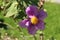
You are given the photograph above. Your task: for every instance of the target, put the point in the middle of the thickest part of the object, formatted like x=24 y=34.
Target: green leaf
x=10 y=22
x=12 y=10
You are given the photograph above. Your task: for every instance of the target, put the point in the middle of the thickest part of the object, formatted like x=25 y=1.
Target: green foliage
x=12 y=10
x=12 y=13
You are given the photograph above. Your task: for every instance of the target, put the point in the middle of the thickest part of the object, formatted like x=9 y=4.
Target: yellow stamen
x=34 y=20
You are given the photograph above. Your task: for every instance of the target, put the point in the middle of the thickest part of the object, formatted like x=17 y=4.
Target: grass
x=52 y=29
x=53 y=20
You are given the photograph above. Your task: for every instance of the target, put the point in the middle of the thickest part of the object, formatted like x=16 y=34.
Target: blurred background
x=13 y=11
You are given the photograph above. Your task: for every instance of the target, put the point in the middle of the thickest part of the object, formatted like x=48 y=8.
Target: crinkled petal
x=42 y=14
x=32 y=29
x=24 y=23
x=40 y=25
x=31 y=10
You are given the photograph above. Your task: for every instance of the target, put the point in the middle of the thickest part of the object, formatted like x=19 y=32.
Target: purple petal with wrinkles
x=32 y=29
x=41 y=25
x=42 y=14
x=31 y=10
x=24 y=23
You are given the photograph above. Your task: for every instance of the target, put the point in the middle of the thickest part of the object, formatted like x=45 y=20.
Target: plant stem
x=41 y=36
x=35 y=37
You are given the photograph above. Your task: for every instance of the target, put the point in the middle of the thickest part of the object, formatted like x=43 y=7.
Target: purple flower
x=35 y=20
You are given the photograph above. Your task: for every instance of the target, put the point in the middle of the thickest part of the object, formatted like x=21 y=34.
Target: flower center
x=34 y=20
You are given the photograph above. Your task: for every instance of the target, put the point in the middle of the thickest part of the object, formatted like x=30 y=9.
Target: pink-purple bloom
x=35 y=20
